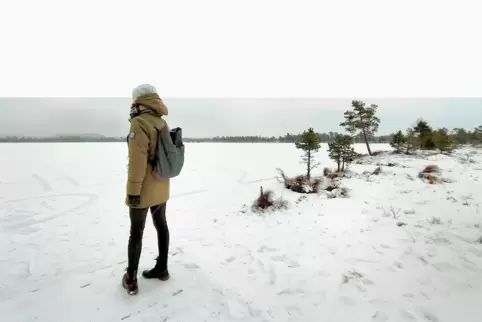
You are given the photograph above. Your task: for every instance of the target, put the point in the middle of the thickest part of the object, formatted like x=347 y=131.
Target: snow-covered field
x=398 y=249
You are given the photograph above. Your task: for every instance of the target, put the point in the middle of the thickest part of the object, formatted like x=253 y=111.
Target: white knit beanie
x=143 y=89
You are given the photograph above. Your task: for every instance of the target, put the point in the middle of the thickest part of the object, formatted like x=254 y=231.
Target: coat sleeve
x=138 y=153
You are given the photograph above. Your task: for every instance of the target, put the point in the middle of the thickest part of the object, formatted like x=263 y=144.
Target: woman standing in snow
x=144 y=191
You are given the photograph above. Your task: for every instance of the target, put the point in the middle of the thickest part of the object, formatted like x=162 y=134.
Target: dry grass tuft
x=435 y=221
x=331 y=188
x=431 y=169
x=334 y=175
x=266 y=201
x=429 y=174
x=328 y=173
x=300 y=183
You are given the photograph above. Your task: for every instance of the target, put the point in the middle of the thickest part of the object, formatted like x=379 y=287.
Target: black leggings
x=138 y=222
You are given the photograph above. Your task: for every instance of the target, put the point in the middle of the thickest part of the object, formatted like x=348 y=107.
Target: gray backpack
x=169 y=158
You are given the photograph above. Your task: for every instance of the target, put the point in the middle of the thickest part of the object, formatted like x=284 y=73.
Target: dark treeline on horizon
x=460 y=135
x=288 y=138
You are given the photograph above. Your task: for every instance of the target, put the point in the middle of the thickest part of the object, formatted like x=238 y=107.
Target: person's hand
x=133 y=201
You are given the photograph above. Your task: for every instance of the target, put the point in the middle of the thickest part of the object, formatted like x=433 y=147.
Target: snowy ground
x=64 y=231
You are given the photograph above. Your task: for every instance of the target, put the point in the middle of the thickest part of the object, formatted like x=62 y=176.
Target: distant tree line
x=288 y=138
x=73 y=138
x=360 y=122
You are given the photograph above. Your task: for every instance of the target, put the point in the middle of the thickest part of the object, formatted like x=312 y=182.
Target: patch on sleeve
x=132 y=135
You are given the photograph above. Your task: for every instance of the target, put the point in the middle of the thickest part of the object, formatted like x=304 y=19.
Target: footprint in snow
x=366 y=281
x=398 y=264
x=348 y=300
x=294 y=310
x=230 y=259
x=265 y=248
x=283 y=258
x=431 y=317
x=272 y=276
x=291 y=291
x=191 y=266
x=176 y=251
x=379 y=317
x=407 y=315
x=260 y=265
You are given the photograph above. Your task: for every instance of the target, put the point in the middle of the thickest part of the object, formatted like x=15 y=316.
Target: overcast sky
x=249 y=48
x=212 y=117
x=223 y=50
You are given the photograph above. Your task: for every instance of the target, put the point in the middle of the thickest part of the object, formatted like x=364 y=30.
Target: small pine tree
x=363 y=120
x=309 y=142
x=398 y=141
x=341 y=151
x=443 y=141
x=424 y=132
x=412 y=141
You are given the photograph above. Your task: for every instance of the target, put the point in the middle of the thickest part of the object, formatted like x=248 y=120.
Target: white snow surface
x=64 y=230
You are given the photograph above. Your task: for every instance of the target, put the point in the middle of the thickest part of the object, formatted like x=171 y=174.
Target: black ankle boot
x=159 y=271
x=129 y=282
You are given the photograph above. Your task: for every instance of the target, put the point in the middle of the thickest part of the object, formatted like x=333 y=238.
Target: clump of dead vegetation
x=336 y=191
x=391 y=211
x=350 y=275
x=300 y=183
x=267 y=202
x=433 y=168
x=367 y=175
x=330 y=174
x=435 y=221
x=430 y=174
x=329 y=185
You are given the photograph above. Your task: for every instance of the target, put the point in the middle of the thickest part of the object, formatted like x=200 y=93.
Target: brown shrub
x=300 y=179
x=334 y=175
x=431 y=169
x=265 y=202
x=265 y=199
x=296 y=187
x=326 y=172
x=432 y=179
x=300 y=183
x=331 y=188
x=316 y=185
